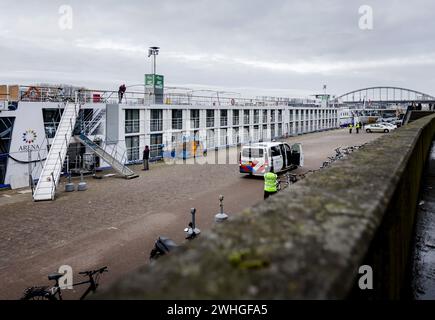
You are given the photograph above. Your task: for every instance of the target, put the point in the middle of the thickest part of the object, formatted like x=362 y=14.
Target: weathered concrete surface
x=422 y=277
x=309 y=241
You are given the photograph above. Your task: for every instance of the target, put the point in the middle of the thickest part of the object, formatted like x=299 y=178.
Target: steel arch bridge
x=385 y=95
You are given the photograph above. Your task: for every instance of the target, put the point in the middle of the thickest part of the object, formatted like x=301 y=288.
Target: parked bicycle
x=325 y=164
x=307 y=173
x=340 y=153
x=283 y=182
x=55 y=292
x=287 y=179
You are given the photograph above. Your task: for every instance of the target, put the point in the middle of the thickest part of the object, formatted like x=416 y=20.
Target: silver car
x=378 y=127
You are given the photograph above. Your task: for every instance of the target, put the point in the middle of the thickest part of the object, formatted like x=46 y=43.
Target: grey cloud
x=250 y=46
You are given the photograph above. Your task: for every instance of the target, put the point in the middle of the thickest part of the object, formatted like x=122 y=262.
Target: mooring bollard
x=221 y=216
x=82 y=185
x=70 y=187
x=192 y=231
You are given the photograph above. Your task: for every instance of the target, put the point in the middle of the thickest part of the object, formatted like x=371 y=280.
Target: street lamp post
x=153 y=51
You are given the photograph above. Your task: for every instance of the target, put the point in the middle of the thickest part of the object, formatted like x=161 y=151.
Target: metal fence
x=83 y=95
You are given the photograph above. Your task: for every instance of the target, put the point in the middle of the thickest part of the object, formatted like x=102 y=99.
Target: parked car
x=378 y=127
x=398 y=122
x=387 y=120
x=390 y=125
x=259 y=158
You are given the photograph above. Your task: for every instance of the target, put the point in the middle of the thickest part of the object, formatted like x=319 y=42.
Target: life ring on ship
x=33 y=93
x=233 y=102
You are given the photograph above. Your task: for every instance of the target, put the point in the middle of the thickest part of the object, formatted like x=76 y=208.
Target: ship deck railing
x=87 y=96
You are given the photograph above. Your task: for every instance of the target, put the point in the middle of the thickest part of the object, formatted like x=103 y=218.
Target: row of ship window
x=176 y=123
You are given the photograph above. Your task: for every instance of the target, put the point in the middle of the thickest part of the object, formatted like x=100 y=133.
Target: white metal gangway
x=112 y=158
x=50 y=174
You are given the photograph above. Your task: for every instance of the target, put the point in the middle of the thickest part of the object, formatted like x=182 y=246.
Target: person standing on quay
x=146 y=157
x=350 y=128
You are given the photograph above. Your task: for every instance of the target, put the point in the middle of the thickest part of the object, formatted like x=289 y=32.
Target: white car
x=390 y=125
x=378 y=127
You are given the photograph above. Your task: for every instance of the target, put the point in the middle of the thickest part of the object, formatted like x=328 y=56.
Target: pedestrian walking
x=357 y=127
x=270 y=184
x=121 y=92
x=350 y=128
x=146 y=157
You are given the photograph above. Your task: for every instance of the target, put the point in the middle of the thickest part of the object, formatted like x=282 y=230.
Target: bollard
x=192 y=231
x=82 y=185
x=221 y=216
x=193 y=212
x=194 y=228
x=70 y=187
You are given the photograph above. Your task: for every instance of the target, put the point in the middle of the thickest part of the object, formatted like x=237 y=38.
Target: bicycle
x=289 y=179
x=281 y=184
x=325 y=164
x=55 y=292
x=305 y=174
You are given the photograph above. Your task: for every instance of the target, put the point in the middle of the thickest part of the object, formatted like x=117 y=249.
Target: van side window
x=252 y=153
x=275 y=151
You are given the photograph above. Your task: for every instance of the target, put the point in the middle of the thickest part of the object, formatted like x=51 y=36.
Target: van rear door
x=253 y=160
x=297 y=155
x=288 y=153
x=277 y=159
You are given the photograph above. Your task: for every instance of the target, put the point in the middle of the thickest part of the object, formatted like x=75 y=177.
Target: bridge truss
x=384 y=96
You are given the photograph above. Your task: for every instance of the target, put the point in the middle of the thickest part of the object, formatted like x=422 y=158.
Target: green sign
x=149 y=80
x=157 y=81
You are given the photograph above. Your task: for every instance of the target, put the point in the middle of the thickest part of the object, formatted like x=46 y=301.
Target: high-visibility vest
x=351 y=126
x=270 y=182
x=357 y=126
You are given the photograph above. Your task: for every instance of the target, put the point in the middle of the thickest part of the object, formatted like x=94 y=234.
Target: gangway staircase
x=90 y=124
x=111 y=159
x=50 y=174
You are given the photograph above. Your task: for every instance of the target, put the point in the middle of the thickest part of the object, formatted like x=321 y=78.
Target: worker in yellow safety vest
x=270 y=184
x=350 y=128
x=357 y=127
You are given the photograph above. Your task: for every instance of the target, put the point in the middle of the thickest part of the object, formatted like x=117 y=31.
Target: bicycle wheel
x=37 y=293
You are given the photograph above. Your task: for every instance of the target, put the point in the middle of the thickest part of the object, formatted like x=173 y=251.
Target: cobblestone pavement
x=116 y=221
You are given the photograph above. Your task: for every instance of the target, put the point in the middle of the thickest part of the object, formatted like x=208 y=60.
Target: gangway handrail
x=61 y=146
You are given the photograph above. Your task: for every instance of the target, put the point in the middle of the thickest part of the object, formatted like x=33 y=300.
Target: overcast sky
x=280 y=48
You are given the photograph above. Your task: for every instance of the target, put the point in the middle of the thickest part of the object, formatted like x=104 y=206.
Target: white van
x=262 y=157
